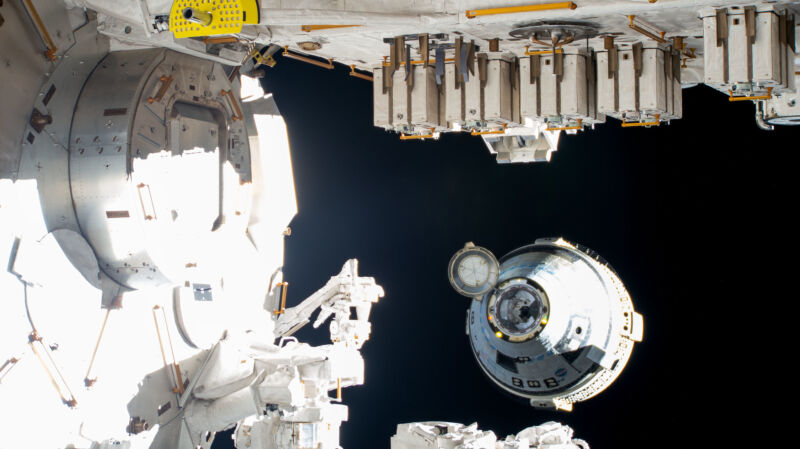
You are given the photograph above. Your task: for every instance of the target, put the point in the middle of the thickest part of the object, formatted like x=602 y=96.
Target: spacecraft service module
x=550 y=322
x=146 y=189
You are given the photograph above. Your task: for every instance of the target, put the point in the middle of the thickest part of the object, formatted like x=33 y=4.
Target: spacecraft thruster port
x=555 y=325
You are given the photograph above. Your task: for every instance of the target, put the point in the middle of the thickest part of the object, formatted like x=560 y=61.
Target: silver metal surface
x=46 y=158
x=22 y=69
x=558 y=327
x=99 y=164
x=554 y=32
x=80 y=255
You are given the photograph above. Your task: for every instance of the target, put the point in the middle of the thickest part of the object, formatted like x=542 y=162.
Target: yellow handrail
x=50 y=46
x=359 y=75
x=165 y=82
x=285 y=287
x=472 y=13
x=418 y=62
x=88 y=380
x=174 y=368
x=306 y=59
x=416 y=136
x=54 y=374
x=751 y=97
x=6 y=367
x=237 y=112
x=310 y=28
x=647 y=33
x=219 y=40
x=635 y=124
x=540 y=52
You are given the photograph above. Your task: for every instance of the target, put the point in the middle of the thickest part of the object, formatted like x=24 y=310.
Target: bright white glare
x=185 y=194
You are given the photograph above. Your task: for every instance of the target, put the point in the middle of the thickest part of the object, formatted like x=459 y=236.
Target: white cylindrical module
x=159 y=167
x=557 y=327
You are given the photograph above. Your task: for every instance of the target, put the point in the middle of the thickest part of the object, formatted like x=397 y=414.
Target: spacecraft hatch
x=550 y=322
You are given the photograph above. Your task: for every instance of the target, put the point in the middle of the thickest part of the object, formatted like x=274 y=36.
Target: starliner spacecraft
x=550 y=322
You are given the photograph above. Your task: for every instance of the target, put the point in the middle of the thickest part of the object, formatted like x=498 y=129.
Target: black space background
x=694 y=216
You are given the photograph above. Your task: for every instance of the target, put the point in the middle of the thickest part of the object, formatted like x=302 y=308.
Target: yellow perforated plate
x=227 y=17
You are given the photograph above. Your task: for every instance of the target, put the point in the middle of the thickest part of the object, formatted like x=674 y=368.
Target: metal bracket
x=359 y=75
x=750 y=23
x=38 y=120
x=409 y=68
x=722 y=27
x=411 y=37
x=424 y=49
x=536 y=67
x=483 y=62
x=439 y=65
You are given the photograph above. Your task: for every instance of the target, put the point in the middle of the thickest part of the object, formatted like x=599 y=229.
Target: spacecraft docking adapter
x=550 y=322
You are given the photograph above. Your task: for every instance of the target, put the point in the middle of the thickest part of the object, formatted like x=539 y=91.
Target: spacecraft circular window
x=473 y=271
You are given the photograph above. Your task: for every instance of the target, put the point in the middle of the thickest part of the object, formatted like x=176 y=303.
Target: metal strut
x=173 y=368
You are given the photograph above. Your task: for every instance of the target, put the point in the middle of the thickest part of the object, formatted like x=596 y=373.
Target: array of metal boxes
x=749 y=51
x=418 y=102
x=748 y=54
x=569 y=88
x=640 y=83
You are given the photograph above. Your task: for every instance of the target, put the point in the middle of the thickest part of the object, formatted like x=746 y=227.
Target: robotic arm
x=278 y=396
x=342 y=293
